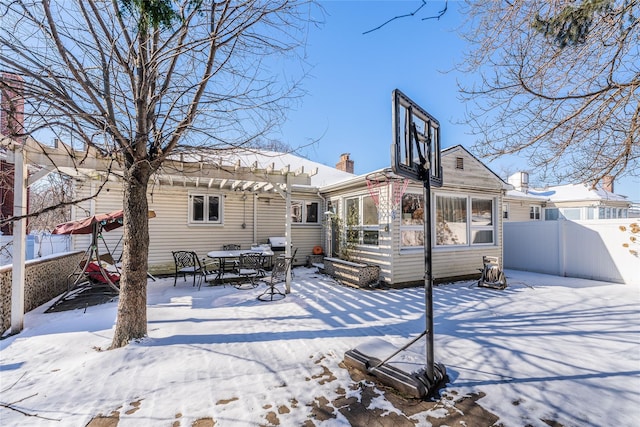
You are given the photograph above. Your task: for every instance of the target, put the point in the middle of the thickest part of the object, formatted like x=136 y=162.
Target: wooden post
x=19 y=240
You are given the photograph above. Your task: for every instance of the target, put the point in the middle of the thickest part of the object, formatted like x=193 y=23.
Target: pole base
x=401 y=373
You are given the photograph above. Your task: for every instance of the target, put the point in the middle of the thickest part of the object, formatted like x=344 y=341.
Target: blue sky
x=348 y=102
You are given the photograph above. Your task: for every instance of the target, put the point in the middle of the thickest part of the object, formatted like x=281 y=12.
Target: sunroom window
x=451 y=220
x=412 y=222
x=361 y=220
x=481 y=221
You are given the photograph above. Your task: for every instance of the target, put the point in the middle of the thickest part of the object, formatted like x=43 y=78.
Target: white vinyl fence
x=38 y=246
x=585 y=249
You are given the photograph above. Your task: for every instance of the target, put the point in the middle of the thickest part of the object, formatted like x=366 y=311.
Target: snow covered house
x=571 y=202
x=466 y=221
x=203 y=202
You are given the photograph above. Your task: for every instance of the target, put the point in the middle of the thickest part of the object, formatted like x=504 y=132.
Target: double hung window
x=304 y=212
x=205 y=209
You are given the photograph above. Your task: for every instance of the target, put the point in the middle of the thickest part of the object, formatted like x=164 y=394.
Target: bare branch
x=570 y=108
x=437 y=16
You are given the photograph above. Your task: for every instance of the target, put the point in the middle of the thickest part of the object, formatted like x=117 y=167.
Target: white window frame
x=303 y=206
x=535 y=210
x=490 y=227
x=410 y=225
x=360 y=228
x=505 y=210
x=470 y=227
x=205 y=212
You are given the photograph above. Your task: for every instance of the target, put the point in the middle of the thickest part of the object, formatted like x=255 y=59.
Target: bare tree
x=50 y=197
x=556 y=81
x=139 y=80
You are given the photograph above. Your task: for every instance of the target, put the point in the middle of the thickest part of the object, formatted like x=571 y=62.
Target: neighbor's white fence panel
x=585 y=249
x=37 y=246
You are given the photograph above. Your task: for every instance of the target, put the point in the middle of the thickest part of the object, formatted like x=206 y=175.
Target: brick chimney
x=607 y=183
x=345 y=164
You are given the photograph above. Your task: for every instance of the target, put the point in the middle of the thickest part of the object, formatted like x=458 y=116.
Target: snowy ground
x=546 y=348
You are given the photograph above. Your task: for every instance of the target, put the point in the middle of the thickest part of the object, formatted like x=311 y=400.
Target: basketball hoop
x=396 y=187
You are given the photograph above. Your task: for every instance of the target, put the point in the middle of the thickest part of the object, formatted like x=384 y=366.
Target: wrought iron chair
x=231 y=247
x=278 y=274
x=250 y=267
x=187 y=262
x=293 y=258
x=229 y=265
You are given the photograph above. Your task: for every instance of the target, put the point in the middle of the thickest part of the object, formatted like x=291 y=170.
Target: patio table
x=225 y=256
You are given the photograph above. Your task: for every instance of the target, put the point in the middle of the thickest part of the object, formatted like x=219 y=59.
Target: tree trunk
x=131 y=322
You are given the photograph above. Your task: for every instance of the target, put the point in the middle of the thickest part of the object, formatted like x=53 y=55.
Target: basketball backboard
x=415 y=152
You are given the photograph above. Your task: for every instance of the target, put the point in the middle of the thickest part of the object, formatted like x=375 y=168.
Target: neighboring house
x=466 y=221
x=571 y=202
x=519 y=204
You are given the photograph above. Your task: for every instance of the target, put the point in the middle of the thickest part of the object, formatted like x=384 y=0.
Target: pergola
x=220 y=169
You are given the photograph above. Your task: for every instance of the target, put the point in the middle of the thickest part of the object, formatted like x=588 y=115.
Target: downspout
x=255 y=218
x=324 y=222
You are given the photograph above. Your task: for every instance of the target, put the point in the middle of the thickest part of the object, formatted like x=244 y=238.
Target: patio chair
x=278 y=275
x=293 y=258
x=250 y=267
x=492 y=276
x=231 y=247
x=187 y=262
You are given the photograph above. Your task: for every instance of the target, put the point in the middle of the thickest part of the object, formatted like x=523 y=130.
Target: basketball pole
x=428 y=280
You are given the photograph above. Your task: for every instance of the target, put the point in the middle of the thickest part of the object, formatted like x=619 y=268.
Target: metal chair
x=293 y=258
x=231 y=247
x=278 y=274
x=251 y=266
x=187 y=262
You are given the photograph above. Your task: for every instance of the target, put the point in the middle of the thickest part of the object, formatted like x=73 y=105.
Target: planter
x=352 y=273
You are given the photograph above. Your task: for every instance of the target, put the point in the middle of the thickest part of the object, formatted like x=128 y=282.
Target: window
x=459 y=162
x=591 y=213
x=464 y=220
x=451 y=220
x=412 y=222
x=205 y=209
x=572 y=214
x=481 y=221
x=551 y=214
x=304 y=212
x=361 y=221
x=534 y=212
x=505 y=210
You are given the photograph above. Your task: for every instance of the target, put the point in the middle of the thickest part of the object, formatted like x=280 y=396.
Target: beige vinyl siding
x=455 y=261
x=170 y=229
x=474 y=176
x=271 y=222
x=475 y=180
x=305 y=237
x=519 y=210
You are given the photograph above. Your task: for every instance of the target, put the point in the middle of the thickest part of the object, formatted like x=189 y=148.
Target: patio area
x=545 y=351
